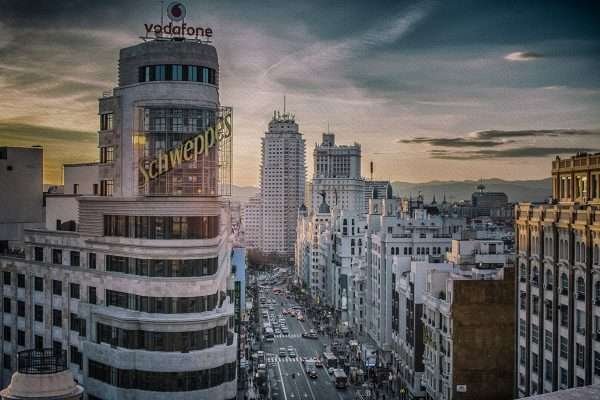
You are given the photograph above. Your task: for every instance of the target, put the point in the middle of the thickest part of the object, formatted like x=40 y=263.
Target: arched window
x=535 y=278
x=595 y=254
x=418 y=251
x=580 y=288
x=564 y=283
x=548 y=279
x=597 y=292
x=582 y=252
x=577 y=249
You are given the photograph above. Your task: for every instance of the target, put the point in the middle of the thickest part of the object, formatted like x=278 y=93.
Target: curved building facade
x=141 y=294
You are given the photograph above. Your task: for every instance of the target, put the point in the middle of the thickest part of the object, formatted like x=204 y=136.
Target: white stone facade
x=140 y=296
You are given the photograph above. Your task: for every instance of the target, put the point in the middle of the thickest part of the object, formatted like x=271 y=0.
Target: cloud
x=501 y=134
x=518 y=152
x=454 y=142
x=323 y=55
x=523 y=56
x=493 y=138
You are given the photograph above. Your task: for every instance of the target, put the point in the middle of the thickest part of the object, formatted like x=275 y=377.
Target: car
x=300 y=317
x=285 y=332
x=330 y=370
x=284 y=311
x=292 y=353
x=282 y=352
x=309 y=335
x=313 y=374
x=318 y=363
x=277 y=332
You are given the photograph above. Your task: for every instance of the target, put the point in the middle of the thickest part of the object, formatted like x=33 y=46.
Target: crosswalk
x=291 y=336
x=277 y=359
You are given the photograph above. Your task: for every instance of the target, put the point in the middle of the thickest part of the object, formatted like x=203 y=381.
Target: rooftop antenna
x=371 y=169
x=162 y=11
x=328 y=127
x=284 y=104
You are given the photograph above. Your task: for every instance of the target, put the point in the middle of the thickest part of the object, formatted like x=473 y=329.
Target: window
x=39 y=342
x=106 y=187
x=7 y=333
x=74 y=290
x=535 y=277
x=56 y=256
x=57 y=318
x=535 y=367
x=6 y=277
x=564 y=347
x=597 y=293
x=92 y=295
x=106 y=121
x=107 y=154
x=535 y=333
x=564 y=284
x=563 y=377
x=21 y=280
x=580 y=355
x=535 y=305
x=548 y=310
x=21 y=308
x=7 y=361
x=7 y=305
x=38 y=284
x=548 y=340
x=76 y=356
x=38 y=313
x=20 y=338
x=522 y=354
x=75 y=259
x=74 y=322
x=162 y=227
x=580 y=289
x=164 y=305
x=38 y=253
x=596 y=363
x=522 y=328
x=75 y=188
x=564 y=315
x=548 y=370
x=57 y=346
x=95 y=189
x=56 y=287
x=92 y=260
x=162 y=268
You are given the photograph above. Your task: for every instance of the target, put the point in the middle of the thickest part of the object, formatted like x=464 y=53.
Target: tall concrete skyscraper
x=337 y=174
x=139 y=291
x=282 y=181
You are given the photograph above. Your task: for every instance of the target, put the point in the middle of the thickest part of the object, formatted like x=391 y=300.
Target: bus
x=330 y=360
x=341 y=379
x=269 y=336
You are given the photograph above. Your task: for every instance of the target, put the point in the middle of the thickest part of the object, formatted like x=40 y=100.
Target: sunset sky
x=433 y=90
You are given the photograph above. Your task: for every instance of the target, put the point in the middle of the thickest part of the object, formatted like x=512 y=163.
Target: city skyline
x=444 y=91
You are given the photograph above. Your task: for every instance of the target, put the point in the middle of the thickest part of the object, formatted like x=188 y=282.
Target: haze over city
x=431 y=89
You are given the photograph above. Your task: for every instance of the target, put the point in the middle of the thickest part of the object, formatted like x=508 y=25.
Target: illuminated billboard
x=183 y=151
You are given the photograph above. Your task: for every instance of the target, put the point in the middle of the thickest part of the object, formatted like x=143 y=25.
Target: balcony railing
x=45 y=361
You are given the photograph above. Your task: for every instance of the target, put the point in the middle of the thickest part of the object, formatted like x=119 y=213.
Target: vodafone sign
x=176 y=12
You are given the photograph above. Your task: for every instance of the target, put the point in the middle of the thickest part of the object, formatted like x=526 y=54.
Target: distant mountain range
x=529 y=190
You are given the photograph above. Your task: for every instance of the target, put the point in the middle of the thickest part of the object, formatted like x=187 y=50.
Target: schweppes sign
x=189 y=150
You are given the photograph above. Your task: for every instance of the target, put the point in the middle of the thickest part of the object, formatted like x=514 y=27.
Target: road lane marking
x=282 y=382
x=307 y=381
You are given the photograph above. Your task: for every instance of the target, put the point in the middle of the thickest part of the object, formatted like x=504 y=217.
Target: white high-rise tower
x=282 y=180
